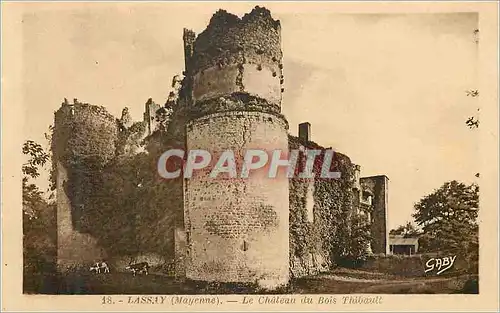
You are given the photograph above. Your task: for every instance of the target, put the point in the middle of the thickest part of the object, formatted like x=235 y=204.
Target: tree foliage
x=448 y=217
x=352 y=242
x=472 y=121
x=37 y=157
x=32 y=195
x=406 y=230
x=39 y=220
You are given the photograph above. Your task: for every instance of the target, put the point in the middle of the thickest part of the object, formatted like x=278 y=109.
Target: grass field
x=340 y=281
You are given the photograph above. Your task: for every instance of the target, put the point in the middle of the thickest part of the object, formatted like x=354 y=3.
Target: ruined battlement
x=82 y=132
x=70 y=109
x=236 y=55
x=253 y=39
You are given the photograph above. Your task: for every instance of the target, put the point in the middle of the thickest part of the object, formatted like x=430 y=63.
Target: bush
x=39 y=276
x=471 y=286
x=351 y=262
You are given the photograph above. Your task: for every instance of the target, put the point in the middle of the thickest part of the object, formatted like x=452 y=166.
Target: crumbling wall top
x=77 y=106
x=223 y=19
x=255 y=38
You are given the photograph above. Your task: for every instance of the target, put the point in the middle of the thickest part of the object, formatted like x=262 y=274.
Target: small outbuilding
x=403 y=245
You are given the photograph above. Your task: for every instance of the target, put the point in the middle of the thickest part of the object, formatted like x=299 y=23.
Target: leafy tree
x=473 y=121
x=39 y=220
x=406 y=230
x=352 y=242
x=359 y=239
x=32 y=195
x=37 y=157
x=448 y=218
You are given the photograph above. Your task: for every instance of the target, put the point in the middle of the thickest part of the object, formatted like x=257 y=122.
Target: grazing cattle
x=139 y=268
x=95 y=268
x=99 y=266
x=105 y=267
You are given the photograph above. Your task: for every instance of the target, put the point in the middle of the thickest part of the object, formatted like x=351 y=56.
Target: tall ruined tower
x=378 y=186
x=237 y=230
x=83 y=141
x=149 y=116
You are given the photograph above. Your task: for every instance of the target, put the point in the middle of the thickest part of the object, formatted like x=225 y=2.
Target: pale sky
x=387 y=90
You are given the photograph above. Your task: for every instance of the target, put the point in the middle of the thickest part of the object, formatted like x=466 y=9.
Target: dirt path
x=388 y=281
x=399 y=285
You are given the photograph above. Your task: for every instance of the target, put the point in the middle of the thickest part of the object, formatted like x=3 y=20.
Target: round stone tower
x=83 y=142
x=237 y=229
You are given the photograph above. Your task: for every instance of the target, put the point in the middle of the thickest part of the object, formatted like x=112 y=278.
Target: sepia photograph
x=200 y=149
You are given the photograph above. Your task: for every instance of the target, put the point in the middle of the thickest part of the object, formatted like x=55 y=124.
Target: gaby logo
x=295 y=163
x=440 y=264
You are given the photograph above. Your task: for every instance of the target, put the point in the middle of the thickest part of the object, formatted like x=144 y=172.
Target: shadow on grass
x=81 y=283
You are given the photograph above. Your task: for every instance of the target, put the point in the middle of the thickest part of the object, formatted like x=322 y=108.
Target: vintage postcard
x=244 y=156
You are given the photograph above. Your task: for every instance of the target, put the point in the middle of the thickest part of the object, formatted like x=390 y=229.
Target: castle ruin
x=253 y=230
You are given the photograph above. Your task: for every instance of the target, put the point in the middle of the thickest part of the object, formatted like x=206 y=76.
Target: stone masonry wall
x=378 y=185
x=237 y=229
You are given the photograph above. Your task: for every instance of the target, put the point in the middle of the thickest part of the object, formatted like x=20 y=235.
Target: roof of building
x=399 y=240
x=374 y=176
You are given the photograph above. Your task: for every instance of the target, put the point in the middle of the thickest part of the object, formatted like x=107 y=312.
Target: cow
x=139 y=268
x=98 y=266
x=95 y=268
x=105 y=267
